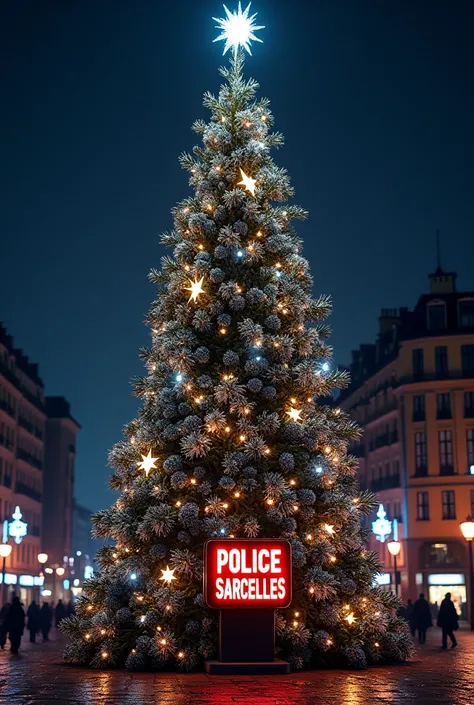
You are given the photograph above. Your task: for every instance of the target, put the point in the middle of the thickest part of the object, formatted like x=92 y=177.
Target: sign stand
x=246 y=580
x=247 y=644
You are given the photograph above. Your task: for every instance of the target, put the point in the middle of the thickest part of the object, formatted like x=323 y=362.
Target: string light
x=330 y=529
x=104 y=654
x=332 y=559
x=350 y=619
x=236 y=495
x=178 y=503
x=292 y=483
x=376 y=644
x=270 y=502
x=309 y=537
x=87 y=636
x=163 y=642
x=242 y=438
x=180 y=654
x=193 y=481
x=102 y=631
x=223 y=331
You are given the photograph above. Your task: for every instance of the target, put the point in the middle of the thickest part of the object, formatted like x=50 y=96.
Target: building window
x=436 y=316
x=449 y=506
x=422 y=506
x=443 y=406
x=445 y=452
x=470 y=450
x=418 y=362
x=466 y=313
x=419 y=407
x=467 y=360
x=420 y=454
x=469 y=405
x=441 y=360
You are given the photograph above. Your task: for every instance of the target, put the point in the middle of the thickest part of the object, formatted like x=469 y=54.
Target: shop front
x=443 y=570
x=26 y=587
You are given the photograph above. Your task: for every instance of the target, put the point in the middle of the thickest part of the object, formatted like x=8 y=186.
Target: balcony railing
x=421 y=471
x=21 y=488
x=446 y=470
x=31 y=428
x=5 y=406
x=385 y=483
x=28 y=458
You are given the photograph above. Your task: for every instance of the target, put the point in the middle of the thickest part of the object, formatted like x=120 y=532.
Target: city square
x=237 y=457
x=434 y=677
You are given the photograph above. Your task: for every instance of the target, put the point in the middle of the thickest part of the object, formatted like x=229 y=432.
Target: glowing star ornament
x=350 y=619
x=237 y=29
x=148 y=463
x=168 y=575
x=294 y=414
x=247 y=182
x=195 y=289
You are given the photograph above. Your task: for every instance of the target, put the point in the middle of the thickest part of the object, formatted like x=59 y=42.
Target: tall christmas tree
x=232 y=439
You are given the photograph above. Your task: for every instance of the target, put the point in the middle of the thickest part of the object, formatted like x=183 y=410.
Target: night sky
x=375 y=98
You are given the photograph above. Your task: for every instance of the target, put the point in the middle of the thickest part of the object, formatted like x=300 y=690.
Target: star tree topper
x=237 y=29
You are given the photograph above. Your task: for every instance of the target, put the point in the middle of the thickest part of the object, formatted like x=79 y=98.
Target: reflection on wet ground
x=38 y=677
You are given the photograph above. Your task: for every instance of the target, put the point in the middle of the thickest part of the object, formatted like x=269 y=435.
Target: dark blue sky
x=375 y=98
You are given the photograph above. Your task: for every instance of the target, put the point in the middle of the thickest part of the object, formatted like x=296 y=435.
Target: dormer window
x=437 y=315
x=466 y=313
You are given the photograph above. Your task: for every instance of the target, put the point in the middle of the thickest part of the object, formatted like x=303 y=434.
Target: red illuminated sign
x=247 y=573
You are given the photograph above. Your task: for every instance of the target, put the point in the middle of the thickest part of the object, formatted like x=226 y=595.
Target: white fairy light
x=237 y=29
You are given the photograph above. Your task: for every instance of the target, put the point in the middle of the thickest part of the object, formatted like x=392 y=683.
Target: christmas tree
x=233 y=438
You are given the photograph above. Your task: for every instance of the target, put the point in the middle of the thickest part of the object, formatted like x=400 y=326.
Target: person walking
x=45 y=620
x=33 y=614
x=3 y=624
x=448 y=621
x=70 y=609
x=410 y=617
x=422 y=617
x=15 y=623
x=59 y=613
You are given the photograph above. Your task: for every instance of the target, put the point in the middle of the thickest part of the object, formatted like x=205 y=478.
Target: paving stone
x=434 y=677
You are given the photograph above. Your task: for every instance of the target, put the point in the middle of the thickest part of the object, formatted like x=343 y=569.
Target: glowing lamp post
x=394 y=548
x=42 y=558
x=5 y=550
x=467 y=529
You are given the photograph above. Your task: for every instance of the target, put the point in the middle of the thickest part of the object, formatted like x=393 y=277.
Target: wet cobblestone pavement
x=435 y=677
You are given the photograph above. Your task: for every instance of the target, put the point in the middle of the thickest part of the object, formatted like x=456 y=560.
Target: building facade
x=58 y=503
x=37 y=451
x=412 y=392
x=22 y=451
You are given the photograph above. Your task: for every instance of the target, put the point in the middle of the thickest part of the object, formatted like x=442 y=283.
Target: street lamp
x=60 y=571
x=42 y=558
x=467 y=529
x=394 y=548
x=5 y=550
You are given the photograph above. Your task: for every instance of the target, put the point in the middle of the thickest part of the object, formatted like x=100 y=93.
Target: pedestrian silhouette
x=15 y=623
x=448 y=621
x=45 y=620
x=411 y=617
x=59 y=613
x=33 y=624
x=422 y=617
x=70 y=609
x=3 y=624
